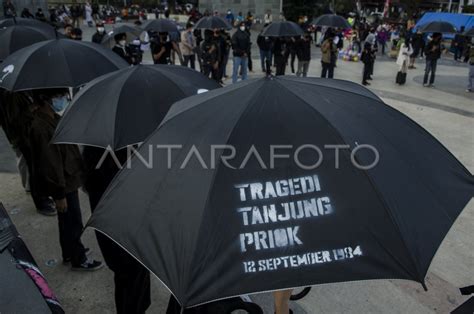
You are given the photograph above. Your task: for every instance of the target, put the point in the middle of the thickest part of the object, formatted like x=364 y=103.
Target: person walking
x=265 y=44
x=187 y=46
x=470 y=87
x=329 y=55
x=432 y=53
x=303 y=52
x=240 y=48
x=58 y=172
x=406 y=50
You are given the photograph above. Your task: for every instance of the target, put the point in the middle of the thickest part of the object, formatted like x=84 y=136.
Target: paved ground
x=446 y=111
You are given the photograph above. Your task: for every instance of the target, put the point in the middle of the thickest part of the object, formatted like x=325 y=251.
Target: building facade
x=257 y=7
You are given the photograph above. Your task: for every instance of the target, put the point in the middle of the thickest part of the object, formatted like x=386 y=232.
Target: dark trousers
x=132 y=279
x=327 y=70
x=292 y=60
x=208 y=69
x=366 y=73
x=458 y=52
x=70 y=229
x=265 y=58
x=280 y=64
x=191 y=60
x=250 y=64
x=430 y=68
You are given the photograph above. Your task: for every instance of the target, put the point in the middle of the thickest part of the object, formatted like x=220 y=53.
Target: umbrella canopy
x=16 y=37
x=246 y=194
x=131 y=32
x=124 y=107
x=282 y=29
x=24 y=288
x=438 y=27
x=160 y=25
x=331 y=20
x=469 y=32
x=57 y=63
x=212 y=22
x=25 y=22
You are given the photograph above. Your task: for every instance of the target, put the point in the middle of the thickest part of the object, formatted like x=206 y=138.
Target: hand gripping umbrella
x=57 y=63
x=160 y=25
x=16 y=37
x=282 y=29
x=212 y=22
x=331 y=20
x=248 y=194
x=124 y=107
x=438 y=27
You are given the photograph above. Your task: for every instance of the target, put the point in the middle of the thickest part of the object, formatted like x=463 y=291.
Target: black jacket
x=433 y=50
x=303 y=50
x=240 y=43
x=57 y=168
x=264 y=43
x=97 y=37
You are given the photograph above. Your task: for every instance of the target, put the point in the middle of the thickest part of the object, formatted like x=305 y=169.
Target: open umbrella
x=438 y=27
x=469 y=32
x=131 y=32
x=25 y=22
x=331 y=20
x=124 y=107
x=24 y=288
x=212 y=22
x=282 y=29
x=16 y=37
x=247 y=193
x=160 y=25
x=57 y=63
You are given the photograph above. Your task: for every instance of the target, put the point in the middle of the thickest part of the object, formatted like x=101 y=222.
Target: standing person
x=382 y=37
x=161 y=51
x=188 y=46
x=292 y=50
x=268 y=18
x=26 y=14
x=240 y=48
x=99 y=34
x=459 y=43
x=220 y=43
x=228 y=45
x=88 y=12
x=198 y=35
x=249 y=20
x=121 y=48
x=417 y=43
x=249 y=52
x=329 y=55
x=432 y=53
x=303 y=52
x=75 y=15
x=470 y=87
x=230 y=17
x=366 y=58
x=58 y=172
x=131 y=279
x=8 y=9
x=406 y=50
x=281 y=53
x=265 y=44
x=39 y=15
x=209 y=55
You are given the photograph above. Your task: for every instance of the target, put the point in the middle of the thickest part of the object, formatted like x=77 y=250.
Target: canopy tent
x=457 y=20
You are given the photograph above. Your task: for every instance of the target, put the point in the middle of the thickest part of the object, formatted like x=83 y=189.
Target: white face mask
x=100 y=29
x=122 y=42
x=242 y=28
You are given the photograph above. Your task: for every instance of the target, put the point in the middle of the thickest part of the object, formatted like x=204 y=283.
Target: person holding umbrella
x=58 y=173
x=240 y=47
x=161 y=51
x=121 y=48
x=432 y=53
x=329 y=55
x=281 y=54
x=210 y=56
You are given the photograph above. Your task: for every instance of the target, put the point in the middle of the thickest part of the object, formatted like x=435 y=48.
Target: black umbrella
x=131 y=32
x=470 y=32
x=282 y=29
x=24 y=289
x=438 y=27
x=57 y=63
x=25 y=22
x=124 y=107
x=331 y=20
x=212 y=22
x=160 y=25
x=16 y=37
x=235 y=201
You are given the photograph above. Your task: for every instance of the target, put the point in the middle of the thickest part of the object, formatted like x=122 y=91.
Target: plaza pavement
x=446 y=111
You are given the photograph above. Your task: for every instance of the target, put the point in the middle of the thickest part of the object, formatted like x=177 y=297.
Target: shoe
x=431 y=85
x=425 y=85
x=469 y=90
x=47 y=211
x=67 y=260
x=370 y=78
x=365 y=83
x=88 y=266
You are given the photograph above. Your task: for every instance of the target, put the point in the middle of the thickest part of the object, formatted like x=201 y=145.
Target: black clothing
x=123 y=52
x=26 y=14
x=240 y=43
x=132 y=280
x=97 y=37
x=433 y=50
x=165 y=58
x=281 y=53
x=303 y=50
x=264 y=43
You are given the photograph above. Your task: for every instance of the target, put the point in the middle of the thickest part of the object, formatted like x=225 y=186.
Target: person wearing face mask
x=230 y=17
x=241 y=48
x=188 y=46
x=58 y=173
x=121 y=48
x=161 y=51
x=99 y=34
